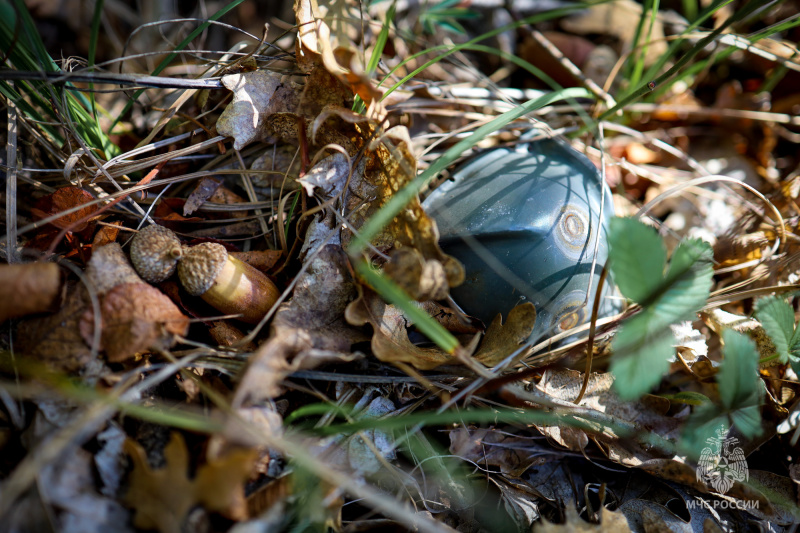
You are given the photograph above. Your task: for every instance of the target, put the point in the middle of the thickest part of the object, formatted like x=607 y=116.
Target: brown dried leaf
x=106 y=234
x=161 y=498
x=390 y=341
x=28 y=289
x=204 y=189
x=62 y=200
x=263 y=260
x=650 y=412
x=510 y=454
x=391 y=167
x=136 y=317
x=109 y=267
x=55 y=340
x=501 y=340
x=308 y=330
x=243 y=119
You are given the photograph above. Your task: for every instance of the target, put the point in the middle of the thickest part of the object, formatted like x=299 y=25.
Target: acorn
x=227 y=284
x=155 y=252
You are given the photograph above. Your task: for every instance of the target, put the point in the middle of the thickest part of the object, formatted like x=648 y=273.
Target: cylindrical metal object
x=524 y=221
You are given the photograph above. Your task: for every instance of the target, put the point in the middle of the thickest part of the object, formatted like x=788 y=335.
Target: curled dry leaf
x=162 y=498
x=501 y=340
x=28 y=289
x=243 y=119
x=420 y=278
x=308 y=330
x=136 y=317
x=390 y=342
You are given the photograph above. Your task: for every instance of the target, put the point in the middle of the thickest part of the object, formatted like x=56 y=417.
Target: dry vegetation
x=282 y=354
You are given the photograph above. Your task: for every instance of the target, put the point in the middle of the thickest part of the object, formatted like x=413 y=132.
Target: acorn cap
x=200 y=266
x=155 y=251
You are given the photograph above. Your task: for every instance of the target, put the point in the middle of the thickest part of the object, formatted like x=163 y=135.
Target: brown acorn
x=155 y=252
x=227 y=284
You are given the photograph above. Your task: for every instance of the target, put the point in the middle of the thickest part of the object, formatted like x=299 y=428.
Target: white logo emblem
x=719 y=465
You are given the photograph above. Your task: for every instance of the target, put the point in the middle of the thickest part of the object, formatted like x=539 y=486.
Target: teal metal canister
x=524 y=222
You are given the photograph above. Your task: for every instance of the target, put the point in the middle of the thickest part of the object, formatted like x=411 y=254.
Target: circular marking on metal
x=569 y=311
x=572 y=231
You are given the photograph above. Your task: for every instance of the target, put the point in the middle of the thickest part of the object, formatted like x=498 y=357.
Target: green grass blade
x=450 y=49
x=95 y=31
x=377 y=52
x=644 y=90
x=396 y=296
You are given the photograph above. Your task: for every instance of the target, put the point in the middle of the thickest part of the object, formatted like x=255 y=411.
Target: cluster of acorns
x=206 y=270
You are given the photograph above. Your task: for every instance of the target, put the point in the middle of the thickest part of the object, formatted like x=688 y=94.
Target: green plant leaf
x=738 y=376
x=777 y=317
x=748 y=421
x=641 y=349
x=701 y=426
x=687 y=283
x=638 y=258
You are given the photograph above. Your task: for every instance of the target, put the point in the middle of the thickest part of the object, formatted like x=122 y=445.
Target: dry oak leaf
x=162 y=498
x=390 y=342
x=243 y=119
x=28 y=289
x=135 y=317
x=501 y=340
x=390 y=167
